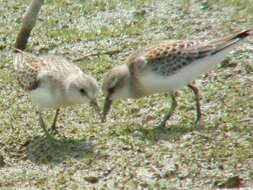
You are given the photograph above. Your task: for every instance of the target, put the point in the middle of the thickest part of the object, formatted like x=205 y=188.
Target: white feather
x=43 y=97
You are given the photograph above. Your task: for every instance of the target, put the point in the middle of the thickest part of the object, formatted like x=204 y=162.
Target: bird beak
x=94 y=104
x=107 y=106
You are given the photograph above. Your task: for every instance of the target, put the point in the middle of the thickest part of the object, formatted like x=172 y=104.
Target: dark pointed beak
x=107 y=107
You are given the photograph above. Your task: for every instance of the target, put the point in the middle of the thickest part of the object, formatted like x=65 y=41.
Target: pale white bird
x=54 y=82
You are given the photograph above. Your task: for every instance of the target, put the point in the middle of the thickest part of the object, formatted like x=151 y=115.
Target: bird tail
x=231 y=40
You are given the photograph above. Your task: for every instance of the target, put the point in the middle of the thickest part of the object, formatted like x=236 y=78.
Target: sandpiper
x=54 y=82
x=167 y=67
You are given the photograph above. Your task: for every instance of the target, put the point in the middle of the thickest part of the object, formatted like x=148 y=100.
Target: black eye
x=82 y=91
x=110 y=90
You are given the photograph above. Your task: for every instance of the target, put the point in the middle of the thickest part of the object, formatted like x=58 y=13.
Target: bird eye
x=82 y=91
x=110 y=90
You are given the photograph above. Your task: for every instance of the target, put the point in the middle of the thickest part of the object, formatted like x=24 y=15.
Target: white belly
x=43 y=97
x=155 y=83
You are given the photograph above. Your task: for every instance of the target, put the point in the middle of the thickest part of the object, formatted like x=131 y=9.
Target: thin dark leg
x=53 y=127
x=43 y=125
x=170 y=112
x=196 y=93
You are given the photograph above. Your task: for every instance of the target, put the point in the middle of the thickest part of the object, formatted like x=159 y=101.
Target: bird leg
x=196 y=93
x=43 y=125
x=53 y=126
x=170 y=112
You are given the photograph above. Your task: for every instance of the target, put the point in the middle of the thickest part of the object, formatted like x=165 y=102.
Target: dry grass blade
x=107 y=52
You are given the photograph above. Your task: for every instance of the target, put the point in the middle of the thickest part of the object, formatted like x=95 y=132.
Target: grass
x=127 y=152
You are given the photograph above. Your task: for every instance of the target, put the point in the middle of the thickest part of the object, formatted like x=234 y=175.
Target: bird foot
x=54 y=131
x=161 y=126
x=198 y=123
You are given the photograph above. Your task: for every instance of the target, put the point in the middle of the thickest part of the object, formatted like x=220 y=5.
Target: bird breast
x=46 y=98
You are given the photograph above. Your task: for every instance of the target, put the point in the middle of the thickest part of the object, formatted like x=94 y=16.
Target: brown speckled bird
x=53 y=82
x=167 y=67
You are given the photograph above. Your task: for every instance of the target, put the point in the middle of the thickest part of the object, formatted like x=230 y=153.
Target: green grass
x=128 y=152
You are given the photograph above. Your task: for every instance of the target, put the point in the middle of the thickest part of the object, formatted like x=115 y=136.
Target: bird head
x=116 y=85
x=81 y=89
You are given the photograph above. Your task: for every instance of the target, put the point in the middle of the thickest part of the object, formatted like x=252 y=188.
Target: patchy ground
x=127 y=152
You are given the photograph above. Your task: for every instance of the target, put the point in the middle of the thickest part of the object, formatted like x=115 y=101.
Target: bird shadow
x=170 y=133
x=173 y=132
x=43 y=150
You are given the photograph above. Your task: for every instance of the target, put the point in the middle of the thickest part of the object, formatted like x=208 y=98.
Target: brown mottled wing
x=27 y=67
x=59 y=67
x=168 y=57
x=32 y=70
x=164 y=58
x=56 y=71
